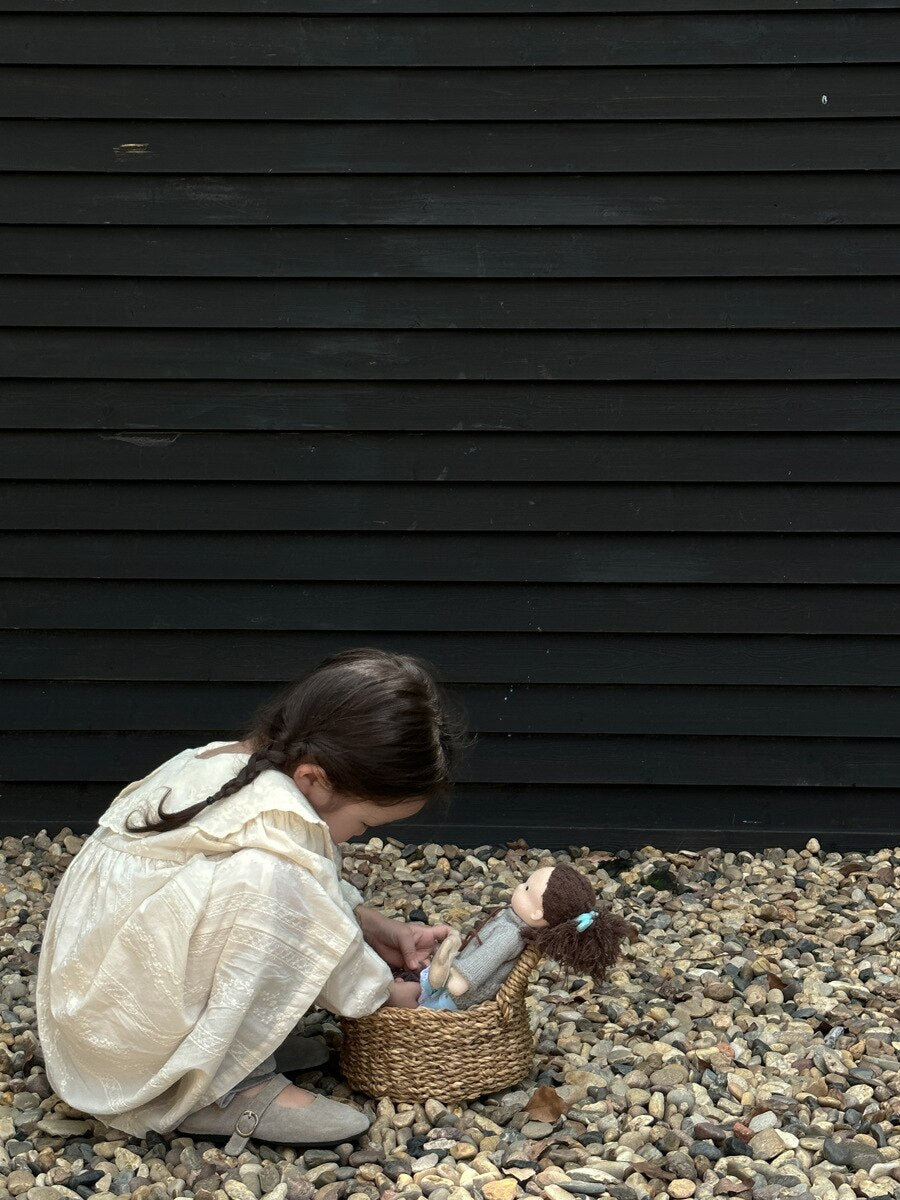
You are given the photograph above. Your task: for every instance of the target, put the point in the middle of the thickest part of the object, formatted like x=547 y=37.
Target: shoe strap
x=253 y=1113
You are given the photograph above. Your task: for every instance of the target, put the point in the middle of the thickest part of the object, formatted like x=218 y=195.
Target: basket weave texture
x=412 y=1054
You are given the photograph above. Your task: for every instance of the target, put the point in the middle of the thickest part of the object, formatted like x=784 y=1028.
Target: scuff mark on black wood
x=141 y=439
x=131 y=148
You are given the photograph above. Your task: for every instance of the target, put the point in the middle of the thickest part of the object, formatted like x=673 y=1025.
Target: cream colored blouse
x=173 y=963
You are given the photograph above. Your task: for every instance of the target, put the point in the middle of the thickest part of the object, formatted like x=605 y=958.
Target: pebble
x=19 y=1181
x=316 y=1157
x=705 y=1150
x=763 y=1120
x=745 y=1044
x=856 y=1155
x=60 y=1127
x=237 y=1190
x=500 y=1189
x=768 y=1144
x=668 y=1078
x=537 y=1129
x=858 y=1096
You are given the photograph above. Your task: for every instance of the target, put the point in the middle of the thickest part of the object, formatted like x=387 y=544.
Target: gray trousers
x=264 y=1071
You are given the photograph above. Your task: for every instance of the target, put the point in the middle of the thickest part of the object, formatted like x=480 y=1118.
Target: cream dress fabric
x=174 y=963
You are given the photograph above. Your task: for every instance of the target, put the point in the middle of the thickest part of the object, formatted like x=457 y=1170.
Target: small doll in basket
x=555 y=910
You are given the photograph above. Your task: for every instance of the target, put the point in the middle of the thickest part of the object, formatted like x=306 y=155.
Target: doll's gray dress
x=488 y=958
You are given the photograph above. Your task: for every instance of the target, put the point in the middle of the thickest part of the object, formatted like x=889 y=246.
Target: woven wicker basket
x=420 y=1053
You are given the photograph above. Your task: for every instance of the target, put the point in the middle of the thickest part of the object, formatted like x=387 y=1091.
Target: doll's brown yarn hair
x=590 y=951
x=377 y=723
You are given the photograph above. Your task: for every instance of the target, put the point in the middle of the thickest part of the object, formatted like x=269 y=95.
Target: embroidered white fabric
x=174 y=963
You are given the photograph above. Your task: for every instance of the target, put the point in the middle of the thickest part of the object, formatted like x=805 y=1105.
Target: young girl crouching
x=206 y=914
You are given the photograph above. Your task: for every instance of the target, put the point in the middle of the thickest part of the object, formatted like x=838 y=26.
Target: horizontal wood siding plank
x=571 y=558
x=616 y=39
x=452 y=304
x=788 y=198
x=182 y=709
x=563 y=808
x=130 y=405
x=449 y=147
x=508 y=658
x=429 y=354
x=560 y=806
x=278 y=253
x=486 y=252
x=441 y=7
x=126 y=604
x=464 y=507
x=502 y=759
x=454 y=458
x=870 y=89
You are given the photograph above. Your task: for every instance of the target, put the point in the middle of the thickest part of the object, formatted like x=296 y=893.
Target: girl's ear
x=312 y=773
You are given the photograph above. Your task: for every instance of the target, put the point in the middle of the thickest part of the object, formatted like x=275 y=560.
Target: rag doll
x=556 y=910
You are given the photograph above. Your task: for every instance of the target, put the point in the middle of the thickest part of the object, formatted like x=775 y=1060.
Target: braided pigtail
x=272 y=756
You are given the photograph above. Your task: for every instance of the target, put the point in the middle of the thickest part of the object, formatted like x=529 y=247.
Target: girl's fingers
x=411 y=952
x=417 y=942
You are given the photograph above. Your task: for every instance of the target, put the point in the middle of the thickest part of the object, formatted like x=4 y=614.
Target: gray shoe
x=324 y=1122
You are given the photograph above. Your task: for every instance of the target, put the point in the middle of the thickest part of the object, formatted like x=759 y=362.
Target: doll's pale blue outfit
x=434 y=997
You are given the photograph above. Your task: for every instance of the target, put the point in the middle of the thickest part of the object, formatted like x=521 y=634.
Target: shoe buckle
x=252 y=1117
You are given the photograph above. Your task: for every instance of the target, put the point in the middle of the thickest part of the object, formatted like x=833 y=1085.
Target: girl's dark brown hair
x=377 y=723
x=591 y=950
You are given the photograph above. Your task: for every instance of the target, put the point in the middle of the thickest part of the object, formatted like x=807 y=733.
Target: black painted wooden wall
x=556 y=346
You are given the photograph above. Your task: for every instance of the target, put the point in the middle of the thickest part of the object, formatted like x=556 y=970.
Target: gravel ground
x=746 y=1045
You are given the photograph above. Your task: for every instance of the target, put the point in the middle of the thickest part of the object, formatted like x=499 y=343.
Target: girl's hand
x=400 y=943
x=403 y=994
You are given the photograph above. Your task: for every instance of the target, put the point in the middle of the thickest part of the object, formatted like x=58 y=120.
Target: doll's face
x=528 y=899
